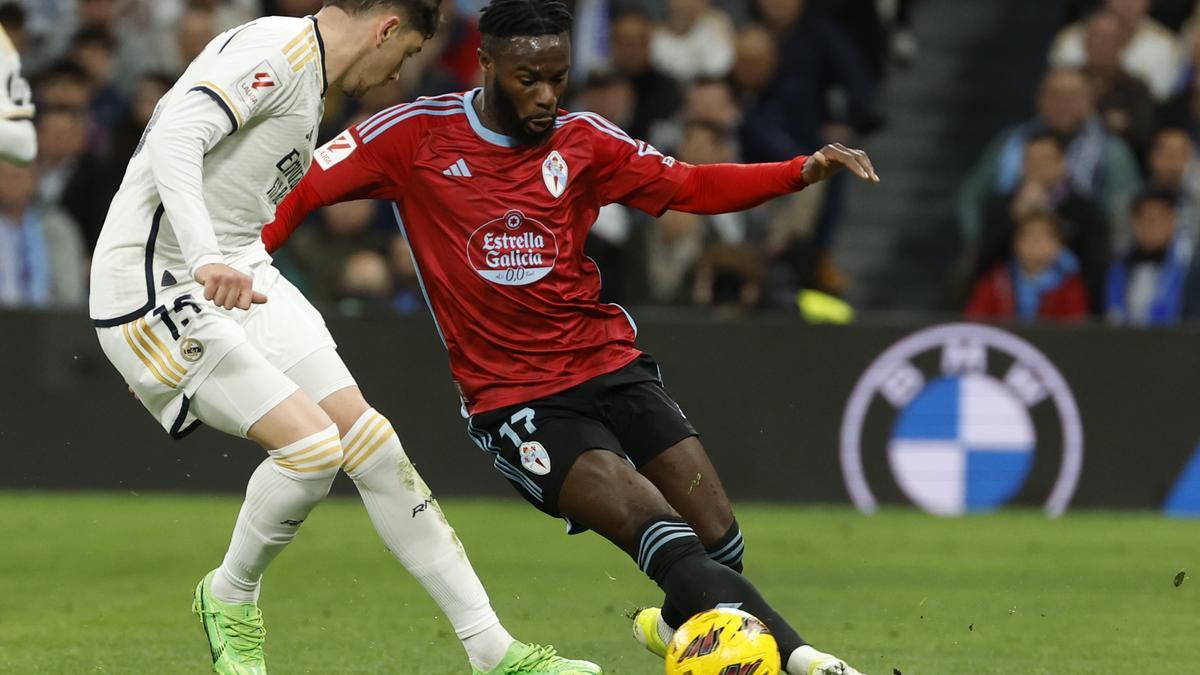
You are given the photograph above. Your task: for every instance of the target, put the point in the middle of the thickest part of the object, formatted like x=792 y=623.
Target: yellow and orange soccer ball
x=723 y=642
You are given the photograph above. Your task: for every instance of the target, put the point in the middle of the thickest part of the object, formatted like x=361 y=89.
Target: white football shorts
x=169 y=355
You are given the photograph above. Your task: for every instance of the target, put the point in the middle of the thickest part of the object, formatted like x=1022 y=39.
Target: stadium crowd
x=707 y=80
x=1091 y=208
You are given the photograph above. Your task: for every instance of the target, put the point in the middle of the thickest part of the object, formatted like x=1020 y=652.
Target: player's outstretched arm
x=726 y=188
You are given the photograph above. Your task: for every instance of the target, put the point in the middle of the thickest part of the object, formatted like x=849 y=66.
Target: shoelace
x=538 y=656
x=247 y=635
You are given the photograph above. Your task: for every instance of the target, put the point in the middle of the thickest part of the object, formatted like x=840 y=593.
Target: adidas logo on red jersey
x=459 y=169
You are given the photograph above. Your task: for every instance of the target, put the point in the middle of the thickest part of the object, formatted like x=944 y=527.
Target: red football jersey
x=497 y=231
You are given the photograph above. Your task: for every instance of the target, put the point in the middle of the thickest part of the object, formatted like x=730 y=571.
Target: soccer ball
x=723 y=642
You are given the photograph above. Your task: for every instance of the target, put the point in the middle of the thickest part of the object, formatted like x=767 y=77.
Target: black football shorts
x=535 y=444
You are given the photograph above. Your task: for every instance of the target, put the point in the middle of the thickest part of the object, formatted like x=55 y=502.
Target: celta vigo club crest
x=962 y=418
x=556 y=174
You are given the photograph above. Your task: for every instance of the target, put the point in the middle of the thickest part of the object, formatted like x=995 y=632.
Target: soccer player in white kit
x=179 y=297
x=18 y=139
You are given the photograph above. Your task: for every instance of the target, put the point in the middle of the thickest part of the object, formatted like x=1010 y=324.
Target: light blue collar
x=482 y=131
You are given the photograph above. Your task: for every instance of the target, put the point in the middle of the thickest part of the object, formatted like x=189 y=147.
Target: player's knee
x=370 y=443
x=315 y=458
x=729 y=549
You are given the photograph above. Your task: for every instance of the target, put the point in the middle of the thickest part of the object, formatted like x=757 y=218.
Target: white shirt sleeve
x=175 y=149
x=232 y=88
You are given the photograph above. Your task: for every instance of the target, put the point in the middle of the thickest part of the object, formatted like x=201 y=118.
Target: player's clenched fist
x=227 y=287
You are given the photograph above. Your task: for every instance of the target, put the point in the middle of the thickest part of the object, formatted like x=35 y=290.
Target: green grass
x=102 y=584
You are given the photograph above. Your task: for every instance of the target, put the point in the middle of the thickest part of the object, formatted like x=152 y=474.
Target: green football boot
x=235 y=632
x=645 y=631
x=523 y=659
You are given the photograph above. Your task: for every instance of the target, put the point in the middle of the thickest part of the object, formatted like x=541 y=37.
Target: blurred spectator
x=1183 y=109
x=321 y=254
x=461 y=57
x=822 y=91
x=126 y=135
x=710 y=143
x=175 y=49
x=1046 y=187
x=1149 y=50
x=407 y=297
x=609 y=95
x=861 y=21
x=64 y=85
x=657 y=96
x=365 y=276
x=41 y=254
x=1041 y=281
x=695 y=40
x=712 y=101
x=1123 y=101
x=227 y=13
x=666 y=254
x=1173 y=167
x=1171 y=13
x=94 y=50
x=672 y=246
x=730 y=273
x=1101 y=166
x=291 y=7
x=1148 y=284
x=729 y=277
x=72 y=177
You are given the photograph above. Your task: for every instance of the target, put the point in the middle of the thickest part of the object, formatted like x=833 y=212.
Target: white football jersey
x=225 y=145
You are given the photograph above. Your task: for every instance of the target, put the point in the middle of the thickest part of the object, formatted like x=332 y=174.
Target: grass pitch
x=102 y=584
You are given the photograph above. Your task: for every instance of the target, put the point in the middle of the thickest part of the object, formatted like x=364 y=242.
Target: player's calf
x=671 y=554
x=412 y=526
x=279 y=497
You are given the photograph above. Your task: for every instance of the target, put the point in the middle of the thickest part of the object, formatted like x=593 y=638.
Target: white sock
x=665 y=632
x=281 y=493
x=802 y=659
x=413 y=528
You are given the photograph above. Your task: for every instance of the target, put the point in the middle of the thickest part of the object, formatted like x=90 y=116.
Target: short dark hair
x=423 y=15
x=719 y=132
x=525 y=18
x=1050 y=137
x=1048 y=216
x=94 y=36
x=1154 y=193
x=63 y=69
x=12 y=16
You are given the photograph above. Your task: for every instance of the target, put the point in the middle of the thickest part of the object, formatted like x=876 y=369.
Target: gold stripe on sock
x=363 y=456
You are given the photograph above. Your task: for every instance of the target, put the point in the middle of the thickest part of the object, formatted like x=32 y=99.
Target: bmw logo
x=960 y=419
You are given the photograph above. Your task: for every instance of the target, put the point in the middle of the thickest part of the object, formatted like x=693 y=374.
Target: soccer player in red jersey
x=495 y=190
